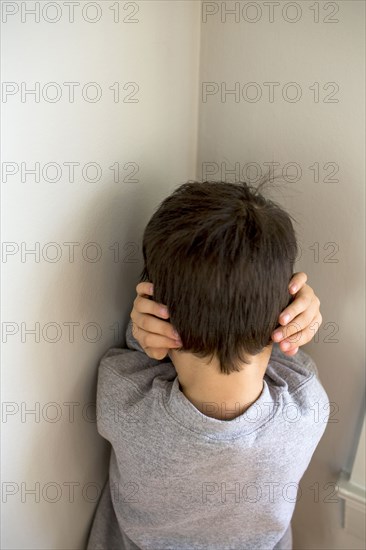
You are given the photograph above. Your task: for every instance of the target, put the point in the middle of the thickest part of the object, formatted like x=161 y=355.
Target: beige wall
x=314 y=141
x=157 y=134
x=157 y=138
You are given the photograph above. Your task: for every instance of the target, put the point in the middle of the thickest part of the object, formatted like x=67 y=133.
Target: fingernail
x=164 y=311
x=285 y=318
x=176 y=335
x=293 y=288
x=151 y=289
x=285 y=345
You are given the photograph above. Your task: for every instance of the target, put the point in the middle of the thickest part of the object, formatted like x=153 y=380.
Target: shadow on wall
x=83 y=310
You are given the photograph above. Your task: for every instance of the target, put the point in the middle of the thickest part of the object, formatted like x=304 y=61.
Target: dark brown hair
x=220 y=256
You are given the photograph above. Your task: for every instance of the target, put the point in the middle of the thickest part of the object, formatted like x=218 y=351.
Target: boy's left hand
x=301 y=319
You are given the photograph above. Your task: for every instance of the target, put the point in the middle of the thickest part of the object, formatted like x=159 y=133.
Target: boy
x=208 y=448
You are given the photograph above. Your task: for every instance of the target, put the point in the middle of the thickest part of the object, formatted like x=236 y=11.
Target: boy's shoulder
x=296 y=376
x=302 y=363
x=127 y=363
x=122 y=366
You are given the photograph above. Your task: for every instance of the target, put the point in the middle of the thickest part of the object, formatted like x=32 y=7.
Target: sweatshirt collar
x=259 y=413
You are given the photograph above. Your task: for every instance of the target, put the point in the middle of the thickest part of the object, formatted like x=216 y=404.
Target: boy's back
x=182 y=480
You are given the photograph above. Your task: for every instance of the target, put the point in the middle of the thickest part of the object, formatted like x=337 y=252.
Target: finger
x=155 y=353
x=156 y=341
x=303 y=337
x=298 y=280
x=298 y=323
x=302 y=301
x=150 y=324
x=145 y=288
x=144 y=305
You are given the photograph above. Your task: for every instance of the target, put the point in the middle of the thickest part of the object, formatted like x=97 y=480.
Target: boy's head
x=220 y=256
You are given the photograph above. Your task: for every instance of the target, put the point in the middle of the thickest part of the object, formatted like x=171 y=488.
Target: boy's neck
x=216 y=394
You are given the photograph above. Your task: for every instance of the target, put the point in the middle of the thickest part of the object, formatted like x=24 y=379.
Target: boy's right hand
x=155 y=336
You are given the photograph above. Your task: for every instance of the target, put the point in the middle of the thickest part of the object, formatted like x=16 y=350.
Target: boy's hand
x=157 y=336
x=301 y=319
